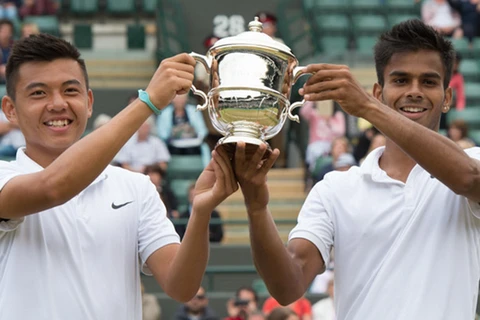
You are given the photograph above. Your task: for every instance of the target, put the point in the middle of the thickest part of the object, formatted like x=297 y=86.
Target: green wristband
x=143 y=96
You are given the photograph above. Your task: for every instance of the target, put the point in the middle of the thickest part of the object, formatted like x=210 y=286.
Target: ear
x=90 y=102
x=378 y=92
x=447 y=101
x=8 y=108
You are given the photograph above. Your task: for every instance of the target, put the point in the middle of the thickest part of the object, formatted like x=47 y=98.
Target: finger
x=239 y=155
x=228 y=165
x=270 y=161
x=324 y=86
x=314 y=68
x=228 y=178
x=327 y=75
x=258 y=156
x=184 y=58
x=323 y=95
x=164 y=65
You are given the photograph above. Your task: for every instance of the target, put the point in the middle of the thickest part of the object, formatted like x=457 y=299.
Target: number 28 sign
x=226 y=26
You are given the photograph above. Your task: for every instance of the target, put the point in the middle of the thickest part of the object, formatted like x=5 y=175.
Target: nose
x=414 y=91
x=57 y=102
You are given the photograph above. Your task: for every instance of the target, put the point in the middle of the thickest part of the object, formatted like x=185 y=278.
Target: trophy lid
x=253 y=38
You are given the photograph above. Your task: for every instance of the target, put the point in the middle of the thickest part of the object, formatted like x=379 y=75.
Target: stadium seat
x=369 y=6
x=334 y=45
x=184 y=167
x=121 y=6
x=83 y=36
x=472 y=93
x=84 y=7
x=394 y=19
x=368 y=24
x=180 y=188
x=47 y=24
x=331 y=24
x=475 y=136
x=470 y=69
x=401 y=6
x=461 y=45
x=136 y=36
x=322 y=6
x=470 y=115
x=149 y=6
x=3 y=90
x=364 y=46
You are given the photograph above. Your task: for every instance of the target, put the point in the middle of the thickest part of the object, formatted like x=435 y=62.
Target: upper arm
x=25 y=194
x=159 y=262
x=306 y=255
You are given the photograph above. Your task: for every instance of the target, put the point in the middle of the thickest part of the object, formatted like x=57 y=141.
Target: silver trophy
x=251 y=76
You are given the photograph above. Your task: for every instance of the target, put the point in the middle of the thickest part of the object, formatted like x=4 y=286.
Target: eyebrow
x=425 y=75
x=42 y=85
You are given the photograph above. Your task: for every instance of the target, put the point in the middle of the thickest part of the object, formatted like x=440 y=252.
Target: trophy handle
x=206 y=63
x=297 y=73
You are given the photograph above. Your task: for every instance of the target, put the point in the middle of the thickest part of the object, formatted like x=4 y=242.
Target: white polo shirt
x=402 y=250
x=81 y=260
x=138 y=154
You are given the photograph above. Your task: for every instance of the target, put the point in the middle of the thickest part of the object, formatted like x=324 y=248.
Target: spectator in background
x=11 y=137
x=244 y=304
x=151 y=309
x=301 y=307
x=344 y=162
x=457 y=83
x=157 y=176
x=6 y=41
x=282 y=313
x=378 y=140
x=468 y=10
x=458 y=132
x=325 y=124
x=183 y=129
x=38 y=8
x=325 y=308
x=339 y=146
x=196 y=309
x=143 y=149
x=100 y=120
x=9 y=9
x=215 y=229
x=440 y=15
x=269 y=24
x=29 y=29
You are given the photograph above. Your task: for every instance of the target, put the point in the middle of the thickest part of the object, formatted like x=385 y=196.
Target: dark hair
x=39 y=48
x=411 y=36
x=154 y=168
x=249 y=289
x=7 y=21
x=281 y=313
x=461 y=125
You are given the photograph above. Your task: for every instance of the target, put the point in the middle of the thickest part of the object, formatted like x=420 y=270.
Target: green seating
x=472 y=93
x=180 y=189
x=149 y=6
x=184 y=167
x=368 y=24
x=121 y=6
x=334 y=46
x=394 y=19
x=475 y=136
x=83 y=36
x=401 y=6
x=470 y=115
x=3 y=90
x=46 y=24
x=136 y=36
x=370 y=6
x=470 y=69
x=364 y=46
x=333 y=24
x=328 y=5
x=84 y=7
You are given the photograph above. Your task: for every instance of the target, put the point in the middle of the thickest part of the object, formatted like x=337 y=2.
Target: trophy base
x=230 y=145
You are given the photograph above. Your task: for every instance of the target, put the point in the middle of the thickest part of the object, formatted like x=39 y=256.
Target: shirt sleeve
x=315 y=221
x=155 y=230
x=474 y=206
x=7 y=172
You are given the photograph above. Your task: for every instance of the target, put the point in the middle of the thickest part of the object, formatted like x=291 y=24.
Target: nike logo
x=118 y=206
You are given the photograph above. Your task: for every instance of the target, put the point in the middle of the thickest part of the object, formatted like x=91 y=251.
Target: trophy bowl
x=250 y=78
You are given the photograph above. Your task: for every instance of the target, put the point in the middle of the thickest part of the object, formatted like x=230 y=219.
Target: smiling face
x=414 y=87
x=52 y=106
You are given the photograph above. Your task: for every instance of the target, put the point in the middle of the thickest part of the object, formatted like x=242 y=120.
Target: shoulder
x=118 y=174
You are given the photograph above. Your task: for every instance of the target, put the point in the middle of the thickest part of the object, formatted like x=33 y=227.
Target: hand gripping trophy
x=251 y=76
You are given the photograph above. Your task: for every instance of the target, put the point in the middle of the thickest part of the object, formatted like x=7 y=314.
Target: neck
x=395 y=162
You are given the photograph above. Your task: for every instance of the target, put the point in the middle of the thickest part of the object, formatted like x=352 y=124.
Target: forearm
x=78 y=166
x=274 y=263
x=188 y=266
x=437 y=154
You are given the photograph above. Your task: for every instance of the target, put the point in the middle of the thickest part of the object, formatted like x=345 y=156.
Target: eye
x=71 y=90
x=430 y=82
x=37 y=93
x=400 y=80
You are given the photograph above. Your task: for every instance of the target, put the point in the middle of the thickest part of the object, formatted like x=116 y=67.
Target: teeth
x=57 y=123
x=410 y=109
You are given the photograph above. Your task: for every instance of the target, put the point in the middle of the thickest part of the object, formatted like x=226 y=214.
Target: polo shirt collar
x=371 y=167
x=30 y=166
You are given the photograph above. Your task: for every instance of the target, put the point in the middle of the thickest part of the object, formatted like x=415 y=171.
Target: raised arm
x=437 y=154
x=287 y=271
x=82 y=162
